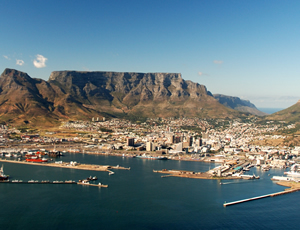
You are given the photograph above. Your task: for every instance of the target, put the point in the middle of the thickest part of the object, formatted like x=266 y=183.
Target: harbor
x=133 y=191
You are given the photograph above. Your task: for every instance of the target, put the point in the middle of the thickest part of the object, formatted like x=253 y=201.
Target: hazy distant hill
x=290 y=114
x=238 y=104
x=82 y=95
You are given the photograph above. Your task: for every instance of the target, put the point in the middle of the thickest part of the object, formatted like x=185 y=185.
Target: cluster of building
x=192 y=138
x=216 y=140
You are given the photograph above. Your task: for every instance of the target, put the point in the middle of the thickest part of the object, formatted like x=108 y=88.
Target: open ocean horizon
x=141 y=199
x=270 y=110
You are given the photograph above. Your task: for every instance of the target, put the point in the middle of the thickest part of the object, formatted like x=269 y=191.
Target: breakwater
x=261 y=197
x=51 y=182
x=69 y=165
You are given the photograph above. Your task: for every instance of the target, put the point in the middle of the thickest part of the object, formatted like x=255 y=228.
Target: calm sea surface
x=141 y=199
x=270 y=110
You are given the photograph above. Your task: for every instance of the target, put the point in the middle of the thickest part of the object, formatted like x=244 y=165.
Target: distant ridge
x=239 y=104
x=83 y=95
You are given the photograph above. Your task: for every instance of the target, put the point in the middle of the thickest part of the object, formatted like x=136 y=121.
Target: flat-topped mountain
x=238 y=104
x=82 y=95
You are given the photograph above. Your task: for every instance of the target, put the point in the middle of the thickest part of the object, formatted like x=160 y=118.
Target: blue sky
x=248 y=49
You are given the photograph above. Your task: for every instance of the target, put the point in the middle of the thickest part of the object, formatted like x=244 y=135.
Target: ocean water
x=270 y=110
x=141 y=199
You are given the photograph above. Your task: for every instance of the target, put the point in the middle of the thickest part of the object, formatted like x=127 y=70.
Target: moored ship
x=2 y=175
x=40 y=160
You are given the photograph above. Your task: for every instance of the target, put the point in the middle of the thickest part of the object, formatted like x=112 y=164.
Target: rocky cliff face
x=78 y=95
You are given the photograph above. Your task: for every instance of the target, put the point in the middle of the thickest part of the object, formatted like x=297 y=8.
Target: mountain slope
x=82 y=95
x=238 y=104
x=146 y=94
x=291 y=114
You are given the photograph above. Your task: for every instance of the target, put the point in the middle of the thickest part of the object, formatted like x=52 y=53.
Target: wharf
x=192 y=174
x=261 y=197
x=38 y=182
x=96 y=185
x=103 y=168
x=51 y=182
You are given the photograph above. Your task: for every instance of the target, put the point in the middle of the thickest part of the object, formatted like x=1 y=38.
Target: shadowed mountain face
x=79 y=95
x=238 y=104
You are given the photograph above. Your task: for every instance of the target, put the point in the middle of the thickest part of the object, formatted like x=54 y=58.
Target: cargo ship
x=2 y=175
x=40 y=160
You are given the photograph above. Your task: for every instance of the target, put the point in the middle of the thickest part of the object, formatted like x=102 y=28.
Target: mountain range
x=83 y=95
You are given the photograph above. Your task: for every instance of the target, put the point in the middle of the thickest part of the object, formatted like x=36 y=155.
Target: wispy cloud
x=218 y=62
x=19 y=62
x=40 y=61
x=202 y=74
x=6 y=57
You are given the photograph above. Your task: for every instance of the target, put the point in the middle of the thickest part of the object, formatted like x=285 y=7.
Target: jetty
x=37 y=182
x=261 y=197
x=70 y=165
x=192 y=174
x=51 y=182
x=96 y=185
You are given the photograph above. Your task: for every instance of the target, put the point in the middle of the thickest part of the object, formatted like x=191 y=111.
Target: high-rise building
x=130 y=141
x=149 y=146
x=171 y=138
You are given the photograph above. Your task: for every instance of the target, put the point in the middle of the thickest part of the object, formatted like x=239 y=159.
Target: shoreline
x=289 y=184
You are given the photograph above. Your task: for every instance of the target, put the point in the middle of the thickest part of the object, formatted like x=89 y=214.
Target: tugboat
x=3 y=177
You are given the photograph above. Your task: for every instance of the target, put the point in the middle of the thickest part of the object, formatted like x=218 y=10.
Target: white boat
x=292 y=174
x=294 y=171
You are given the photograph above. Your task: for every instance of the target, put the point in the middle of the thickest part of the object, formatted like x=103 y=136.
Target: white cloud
x=218 y=62
x=6 y=57
x=19 y=62
x=202 y=74
x=40 y=61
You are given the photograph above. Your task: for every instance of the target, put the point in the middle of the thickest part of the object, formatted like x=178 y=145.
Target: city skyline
x=246 y=49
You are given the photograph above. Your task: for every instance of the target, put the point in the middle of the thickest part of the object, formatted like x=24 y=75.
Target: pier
x=37 y=182
x=52 y=182
x=261 y=197
x=96 y=185
x=91 y=167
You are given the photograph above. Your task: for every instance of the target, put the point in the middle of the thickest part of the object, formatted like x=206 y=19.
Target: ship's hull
x=37 y=160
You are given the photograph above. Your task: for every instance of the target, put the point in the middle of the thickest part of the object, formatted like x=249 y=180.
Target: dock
x=51 y=182
x=91 y=167
x=96 y=185
x=37 y=182
x=261 y=197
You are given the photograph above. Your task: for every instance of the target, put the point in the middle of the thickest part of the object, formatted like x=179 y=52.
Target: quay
x=192 y=174
x=261 y=197
x=52 y=182
x=96 y=185
x=37 y=182
x=103 y=168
